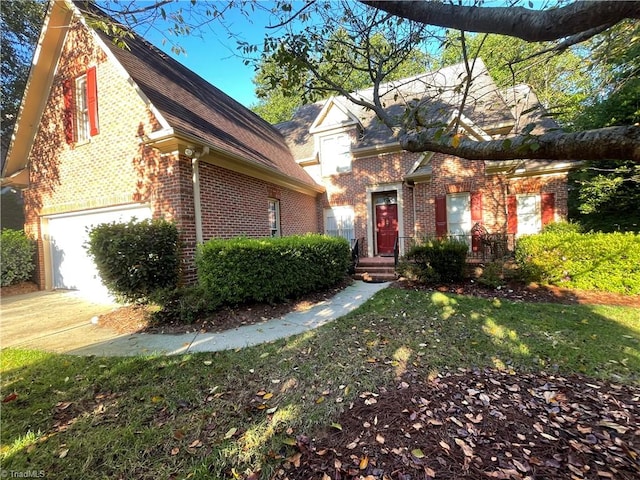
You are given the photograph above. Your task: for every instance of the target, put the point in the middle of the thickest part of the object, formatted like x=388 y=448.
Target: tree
x=20 y=23
x=558 y=79
x=606 y=195
x=281 y=94
x=566 y=26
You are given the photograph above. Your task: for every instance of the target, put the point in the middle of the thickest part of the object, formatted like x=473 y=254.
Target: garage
x=72 y=268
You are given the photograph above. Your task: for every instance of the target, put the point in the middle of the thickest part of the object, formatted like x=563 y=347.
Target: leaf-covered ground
x=479 y=424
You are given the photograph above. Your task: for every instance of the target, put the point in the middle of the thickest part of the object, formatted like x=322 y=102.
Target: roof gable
x=334 y=115
x=184 y=103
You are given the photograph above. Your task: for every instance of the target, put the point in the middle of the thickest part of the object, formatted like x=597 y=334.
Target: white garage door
x=72 y=267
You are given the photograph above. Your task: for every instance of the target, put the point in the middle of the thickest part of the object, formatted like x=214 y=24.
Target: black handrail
x=396 y=251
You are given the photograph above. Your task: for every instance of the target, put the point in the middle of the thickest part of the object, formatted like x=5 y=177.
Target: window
x=274 y=217
x=82 y=110
x=459 y=214
x=335 y=154
x=339 y=222
x=81 y=107
x=528 y=212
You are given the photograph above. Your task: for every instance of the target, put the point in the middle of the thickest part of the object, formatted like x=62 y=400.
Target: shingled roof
x=440 y=92
x=193 y=106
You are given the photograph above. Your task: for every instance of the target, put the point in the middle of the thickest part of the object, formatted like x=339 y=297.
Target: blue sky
x=216 y=57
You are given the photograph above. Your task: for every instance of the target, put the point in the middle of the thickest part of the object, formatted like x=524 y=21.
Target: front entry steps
x=376 y=269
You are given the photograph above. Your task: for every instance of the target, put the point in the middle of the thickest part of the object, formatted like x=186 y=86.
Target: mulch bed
x=479 y=424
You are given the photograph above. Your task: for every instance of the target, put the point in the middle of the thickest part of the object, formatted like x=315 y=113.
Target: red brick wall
x=234 y=204
x=452 y=174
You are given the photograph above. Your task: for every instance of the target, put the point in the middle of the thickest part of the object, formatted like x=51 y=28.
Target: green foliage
x=435 y=260
x=20 y=23
x=492 y=275
x=17 y=251
x=184 y=304
x=562 y=227
x=593 y=261
x=338 y=54
x=268 y=270
x=558 y=80
x=136 y=259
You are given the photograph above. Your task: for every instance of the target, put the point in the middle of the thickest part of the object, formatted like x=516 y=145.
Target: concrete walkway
x=61 y=322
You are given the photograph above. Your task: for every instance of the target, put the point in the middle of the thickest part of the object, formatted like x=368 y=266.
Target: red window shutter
x=69 y=114
x=92 y=101
x=548 y=201
x=512 y=214
x=441 y=216
x=476 y=218
x=476 y=207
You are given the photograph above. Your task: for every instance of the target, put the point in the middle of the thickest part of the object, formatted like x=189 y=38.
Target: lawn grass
x=225 y=414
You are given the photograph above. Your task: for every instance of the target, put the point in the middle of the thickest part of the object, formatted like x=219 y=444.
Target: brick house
x=106 y=133
x=377 y=193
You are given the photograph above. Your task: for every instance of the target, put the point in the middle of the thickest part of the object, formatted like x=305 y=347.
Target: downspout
x=197 y=204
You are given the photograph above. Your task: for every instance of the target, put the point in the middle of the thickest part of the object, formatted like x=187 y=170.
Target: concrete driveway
x=57 y=321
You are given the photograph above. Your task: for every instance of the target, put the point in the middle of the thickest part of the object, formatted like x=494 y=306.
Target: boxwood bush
x=591 y=261
x=273 y=269
x=435 y=260
x=136 y=259
x=17 y=256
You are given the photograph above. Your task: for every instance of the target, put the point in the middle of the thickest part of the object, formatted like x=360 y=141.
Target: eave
x=39 y=83
x=173 y=141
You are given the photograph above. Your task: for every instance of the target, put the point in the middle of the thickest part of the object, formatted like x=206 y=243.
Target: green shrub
x=136 y=259
x=17 y=256
x=562 y=227
x=269 y=270
x=435 y=260
x=492 y=275
x=592 y=261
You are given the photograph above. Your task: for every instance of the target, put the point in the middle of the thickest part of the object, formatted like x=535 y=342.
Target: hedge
x=592 y=261
x=245 y=270
x=16 y=257
x=136 y=259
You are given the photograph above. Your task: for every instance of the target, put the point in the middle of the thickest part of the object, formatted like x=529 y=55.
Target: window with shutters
x=81 y=107
x=527 y=213
x=339 y=222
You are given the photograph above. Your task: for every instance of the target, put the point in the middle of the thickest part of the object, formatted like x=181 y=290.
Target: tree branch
x=598 y=144
x=530 y=25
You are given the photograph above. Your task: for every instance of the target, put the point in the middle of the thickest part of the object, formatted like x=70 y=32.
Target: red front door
x=386 y=228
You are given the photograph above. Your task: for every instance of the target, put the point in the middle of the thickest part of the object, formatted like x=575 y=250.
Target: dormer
x=334 y=130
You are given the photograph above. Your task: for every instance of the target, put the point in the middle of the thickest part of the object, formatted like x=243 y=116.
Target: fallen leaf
x=272 y=410
x=468 y=451
x=445 y=445
x=380 y=439
x=337 y=426
x=615 y=426
x=208 y=363
x=195 y=444
x=10 y=398
x=230 y=433
x=364 y=462
x=290 y=441
x=416 y=452
x=178 y=434
x=353 y=444
x=63 y=453
x=296 y=459
x=267 y=396
x=429 y=472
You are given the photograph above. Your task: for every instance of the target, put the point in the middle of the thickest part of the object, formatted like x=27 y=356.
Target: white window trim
x=341 y=211
x=83 y=127
x=537 y=214
x=467 y=213
x=324 y=163
x=277 y=231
